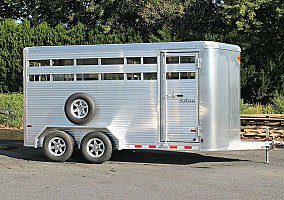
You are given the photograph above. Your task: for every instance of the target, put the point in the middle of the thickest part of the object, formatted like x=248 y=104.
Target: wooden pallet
x=254 y=127
x=264 y=120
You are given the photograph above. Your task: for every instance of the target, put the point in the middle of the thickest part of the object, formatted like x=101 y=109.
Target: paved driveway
x=26 y=174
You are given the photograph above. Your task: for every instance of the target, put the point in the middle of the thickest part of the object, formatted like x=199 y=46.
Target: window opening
x=150 y=76
x=113 y=76
x=112 y=61
x=187 y=59
x=87 y=61
x=134 y=60
x=62 y=62
x=180 y=75
x=150 y=60
x=34 y=77
x=187 y=75
x=63 y=77
x=39 y=63
x=87 y=77
x=45 y=77
x=172 y=60
x=134 y=76
x=172 y=75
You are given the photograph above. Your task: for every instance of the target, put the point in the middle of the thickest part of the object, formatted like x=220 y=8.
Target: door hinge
x=198 y=131
x=199 y=63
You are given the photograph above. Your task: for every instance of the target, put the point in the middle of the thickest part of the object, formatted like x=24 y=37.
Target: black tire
x=79 y=108
x=99 y=152
x=58 y=146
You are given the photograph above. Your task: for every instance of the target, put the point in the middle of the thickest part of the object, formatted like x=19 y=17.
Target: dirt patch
x=2 y=127
x=11 y=134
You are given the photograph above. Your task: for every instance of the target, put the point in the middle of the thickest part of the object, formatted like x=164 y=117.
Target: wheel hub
x=57 y=146
x=79 y=108
x=95 y=147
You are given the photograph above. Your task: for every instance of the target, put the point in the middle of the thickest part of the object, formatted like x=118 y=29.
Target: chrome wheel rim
x=95 y=147
x=79 y=108
x=57 y=146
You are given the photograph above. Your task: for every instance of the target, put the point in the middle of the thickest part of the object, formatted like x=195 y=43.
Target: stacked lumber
x=254 y=127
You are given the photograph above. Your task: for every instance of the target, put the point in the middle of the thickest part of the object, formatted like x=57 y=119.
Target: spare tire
x=79 y=108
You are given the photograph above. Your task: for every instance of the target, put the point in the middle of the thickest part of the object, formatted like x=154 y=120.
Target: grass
x=256 y=108
x=276 y=106
x=15 y=102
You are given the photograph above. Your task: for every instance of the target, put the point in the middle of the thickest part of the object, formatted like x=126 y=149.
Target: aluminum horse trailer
x=180 y=96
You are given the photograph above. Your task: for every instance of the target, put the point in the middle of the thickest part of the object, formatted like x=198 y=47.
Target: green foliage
x=258 y=27
x=15 y=37
x=277 y=106
x=11 y=9
x=16 y=103
x=163 y=35
x=256 y=108
x=278 y=103
x=244 y=107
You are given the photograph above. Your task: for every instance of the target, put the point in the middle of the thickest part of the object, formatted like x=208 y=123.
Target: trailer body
x=169 y=96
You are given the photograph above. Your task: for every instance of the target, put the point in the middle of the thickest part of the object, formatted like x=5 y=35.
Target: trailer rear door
x=179 y=96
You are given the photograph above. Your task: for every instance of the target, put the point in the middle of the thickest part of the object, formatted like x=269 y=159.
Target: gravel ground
x=26 y=174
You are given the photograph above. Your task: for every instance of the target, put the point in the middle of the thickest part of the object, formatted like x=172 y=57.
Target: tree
x=10 y=9
x=258 y=27
x=12 y=41
x=15 y=37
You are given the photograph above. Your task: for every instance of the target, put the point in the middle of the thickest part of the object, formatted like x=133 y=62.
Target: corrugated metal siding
x=182 y=117
x=122 y=106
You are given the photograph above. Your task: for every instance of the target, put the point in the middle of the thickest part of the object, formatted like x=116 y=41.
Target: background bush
x=16 y=103
x=277 y=107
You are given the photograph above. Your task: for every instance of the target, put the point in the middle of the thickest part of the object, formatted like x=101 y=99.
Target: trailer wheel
x=96 y=147
x=79 y=108
x=58 y=146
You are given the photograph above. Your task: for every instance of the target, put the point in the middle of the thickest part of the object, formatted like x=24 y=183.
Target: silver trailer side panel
x=219 y=98
x=202 y=111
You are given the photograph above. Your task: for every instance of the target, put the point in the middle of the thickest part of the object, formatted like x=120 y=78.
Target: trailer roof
x=130 y=47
